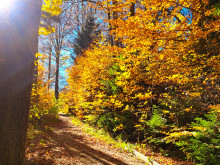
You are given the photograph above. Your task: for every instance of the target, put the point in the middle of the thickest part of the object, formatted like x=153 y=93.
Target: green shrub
x=156 y=121
x=119 y=125
x=202 y=144
x=108 y=121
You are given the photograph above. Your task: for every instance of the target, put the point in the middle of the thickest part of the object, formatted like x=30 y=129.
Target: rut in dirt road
x=80 y=148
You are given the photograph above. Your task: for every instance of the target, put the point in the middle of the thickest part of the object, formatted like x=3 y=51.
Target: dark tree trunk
x=57 y=75
x=132 y=9
x=115 y=17
x=18 y=45
x=49 y=65
x=49 y=68
x=111 y=40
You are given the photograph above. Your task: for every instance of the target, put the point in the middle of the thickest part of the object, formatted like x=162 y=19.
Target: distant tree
x=86 y=35
x=18 y=46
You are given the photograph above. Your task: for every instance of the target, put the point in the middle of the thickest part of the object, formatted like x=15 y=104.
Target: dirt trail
x=69 y=145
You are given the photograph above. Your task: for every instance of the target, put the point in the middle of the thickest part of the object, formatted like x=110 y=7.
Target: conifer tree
x=86 y=35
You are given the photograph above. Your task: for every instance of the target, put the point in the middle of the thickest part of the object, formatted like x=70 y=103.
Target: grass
x=104 y=136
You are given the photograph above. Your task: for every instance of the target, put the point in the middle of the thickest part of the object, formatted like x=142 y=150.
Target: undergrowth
x=105 y=136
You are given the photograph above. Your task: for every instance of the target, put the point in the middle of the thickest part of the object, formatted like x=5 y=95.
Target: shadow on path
x=76 y=146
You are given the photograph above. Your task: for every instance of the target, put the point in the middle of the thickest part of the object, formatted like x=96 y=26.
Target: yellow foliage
x=52 y=7
x=46 y=31
x=42 y=99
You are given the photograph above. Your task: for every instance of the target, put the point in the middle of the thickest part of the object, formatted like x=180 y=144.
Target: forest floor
x=66 y=144
x=63 y=143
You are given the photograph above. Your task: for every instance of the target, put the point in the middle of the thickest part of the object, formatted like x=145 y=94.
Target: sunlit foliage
x=42 y=99
x=52 y=7
x=164 y=71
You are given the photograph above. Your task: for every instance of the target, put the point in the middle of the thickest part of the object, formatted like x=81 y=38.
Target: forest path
x=69 y=145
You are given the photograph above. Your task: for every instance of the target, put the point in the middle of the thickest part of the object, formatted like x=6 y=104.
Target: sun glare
x=5 y=4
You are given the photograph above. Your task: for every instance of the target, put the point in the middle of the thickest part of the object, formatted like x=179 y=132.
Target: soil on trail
x=68 y=144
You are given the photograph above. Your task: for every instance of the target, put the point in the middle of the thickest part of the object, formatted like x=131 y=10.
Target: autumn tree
x=18 y=45
x=163 y=77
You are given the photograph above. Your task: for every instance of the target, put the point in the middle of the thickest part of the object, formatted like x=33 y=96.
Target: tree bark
x=49 y=65
x=18 y=45
x=111 y=40
x=132 y=9
x=57 y=75
x=58 y=47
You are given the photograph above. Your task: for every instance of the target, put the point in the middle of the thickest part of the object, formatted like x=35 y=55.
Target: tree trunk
x=111 y=40
x=58 y=43
x=49 y=65
x=57 y=75
x=18 y=45
x=132 y=9
x=115 y=17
